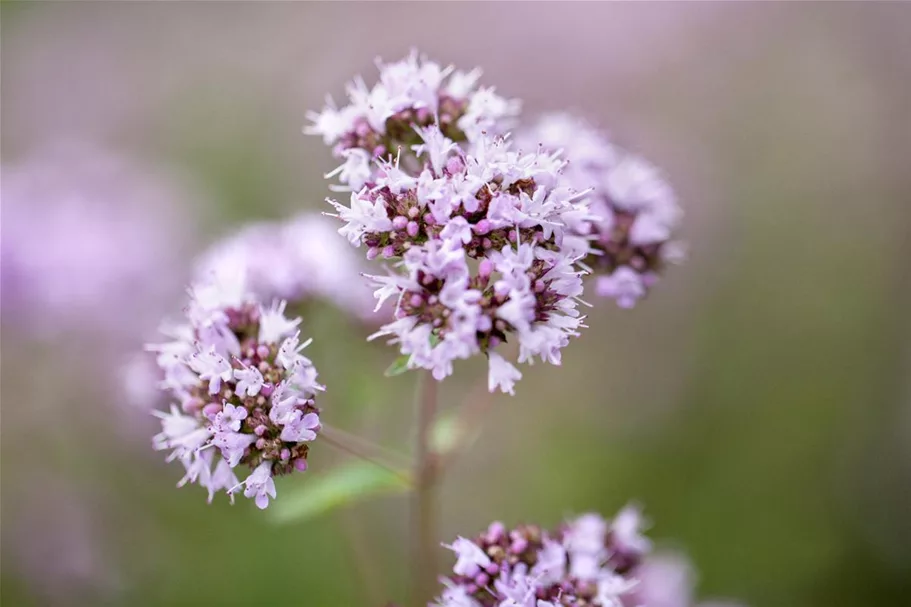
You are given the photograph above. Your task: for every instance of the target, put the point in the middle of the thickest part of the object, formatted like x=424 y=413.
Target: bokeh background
x=758 y=404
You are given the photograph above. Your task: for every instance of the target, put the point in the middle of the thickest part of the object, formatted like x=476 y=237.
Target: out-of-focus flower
x=296 y=260
x=634 y=212
x=531 y=567
x=667 y=579
x=90 y=241
x=413 y=93
x=244 y=392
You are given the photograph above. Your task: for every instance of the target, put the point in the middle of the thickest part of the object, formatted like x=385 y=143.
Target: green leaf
x=320 y=493
x=399 y=366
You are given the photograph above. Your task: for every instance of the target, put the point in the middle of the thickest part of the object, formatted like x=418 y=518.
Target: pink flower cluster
x=478 y=228
x=634 y=212
x=410 y=93
x=295 y=260
x=244 y=392
x=587 y=561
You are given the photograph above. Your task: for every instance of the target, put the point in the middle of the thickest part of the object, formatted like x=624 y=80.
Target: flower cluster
x=244 y=392
x=295 y=260
x=479 y=230
x=588 y=561
x=413 y=92
x=634 y=211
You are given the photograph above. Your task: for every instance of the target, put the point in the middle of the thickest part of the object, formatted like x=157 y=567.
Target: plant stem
x=365 y=450
x=471 y=414
x=425 y=501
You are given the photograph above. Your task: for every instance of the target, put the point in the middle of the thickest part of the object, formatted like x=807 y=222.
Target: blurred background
x=758 y=404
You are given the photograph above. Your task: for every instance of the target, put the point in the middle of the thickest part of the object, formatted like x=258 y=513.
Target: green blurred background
x=758 y=404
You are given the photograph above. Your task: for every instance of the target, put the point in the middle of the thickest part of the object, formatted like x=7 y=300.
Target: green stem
x=425 y=501
x=365 y=450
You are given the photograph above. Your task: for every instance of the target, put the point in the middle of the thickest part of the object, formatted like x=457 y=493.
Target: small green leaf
x=320 y=493
x=399 y=366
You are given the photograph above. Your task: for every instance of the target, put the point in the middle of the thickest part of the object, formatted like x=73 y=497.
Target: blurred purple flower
x=296 y=260
x=90 y=241
x=633 y=212
x=667 y=579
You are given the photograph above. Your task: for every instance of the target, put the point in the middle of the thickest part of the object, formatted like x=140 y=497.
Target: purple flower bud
x=379 y=150
x=482 y=227
x=262 y=351
x=416 y=300
x=388 y=251
x=399 y=222
x=413 y=228
x=260 y=430
x=372 y=252
x=211 y=409
x=362 y=129
x=454 y=165
x=193 y=405
x=285 y=454
x=485 y=268
x=300 y=464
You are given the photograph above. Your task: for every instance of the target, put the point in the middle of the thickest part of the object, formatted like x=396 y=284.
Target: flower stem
x=471 y=415
x=364 y=449
x=425 y=501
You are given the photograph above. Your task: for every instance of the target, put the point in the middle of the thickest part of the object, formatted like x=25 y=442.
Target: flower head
x=633 y=211
x=531 y=567
x=90 y=239
x=411 y=94
x=479 y=237
x=244 y=393
x=296 y=260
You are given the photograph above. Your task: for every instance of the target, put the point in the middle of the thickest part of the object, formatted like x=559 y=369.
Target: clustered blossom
x=413 y=92
x=294 y=260
x=244 y=392
x=634 y=212
x=587 y=562
x=479 y=230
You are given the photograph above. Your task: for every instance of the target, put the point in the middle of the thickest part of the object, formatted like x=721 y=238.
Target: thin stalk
x=363 y=449
x=471 y=415
x=425 y=510
x=368 y=574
